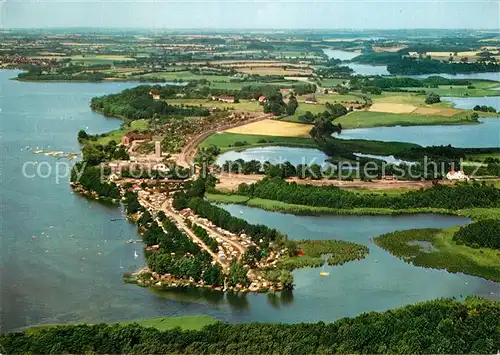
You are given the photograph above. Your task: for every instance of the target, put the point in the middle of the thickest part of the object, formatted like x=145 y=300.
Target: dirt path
x=230 y=182
x=187 y=154
x=238 y=246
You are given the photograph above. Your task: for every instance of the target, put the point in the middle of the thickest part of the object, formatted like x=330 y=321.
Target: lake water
x=470 y=102
x=360 y=69
x=63 y=256
x=296 y=156
x=494 y=76
x=275 y=155
x=484 y=135
x=339 y=54
x=367 y=69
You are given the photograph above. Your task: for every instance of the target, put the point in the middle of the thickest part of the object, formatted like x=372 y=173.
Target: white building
x=456 y=175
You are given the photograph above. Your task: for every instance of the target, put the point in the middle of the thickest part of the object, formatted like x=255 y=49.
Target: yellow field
x=392 y=107
x=447 y=54
x=439 y=111
x=273 y=128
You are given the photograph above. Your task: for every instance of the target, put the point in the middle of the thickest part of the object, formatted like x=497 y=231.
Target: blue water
x=63 y=256
x=469 y=102
x=484 y=135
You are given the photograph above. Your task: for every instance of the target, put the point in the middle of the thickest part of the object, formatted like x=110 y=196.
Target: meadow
x=365 y=119
x=434 y=248
x=225 y=141
x=162 y=323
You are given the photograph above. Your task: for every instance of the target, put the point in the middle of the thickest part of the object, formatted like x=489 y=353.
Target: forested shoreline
x=444 y=326
x=447 y=197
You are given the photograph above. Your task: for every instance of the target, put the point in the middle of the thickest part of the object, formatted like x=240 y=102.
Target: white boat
x=135 y=254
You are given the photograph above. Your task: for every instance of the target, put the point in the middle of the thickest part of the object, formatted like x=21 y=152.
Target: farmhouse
x=262 y=99
x=224 y=98
x=311 y=99
x=456 y=175
x=135 y=136
x=155 y=94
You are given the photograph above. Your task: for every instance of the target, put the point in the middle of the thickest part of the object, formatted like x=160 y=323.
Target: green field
x=333 y=98
x=365 y=119
x=163 y=323
x=482 y=88
x=437 y=250
x=225 y=141
x=328 y=83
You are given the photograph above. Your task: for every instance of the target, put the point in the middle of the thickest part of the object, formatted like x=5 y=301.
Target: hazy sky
x=326 y=14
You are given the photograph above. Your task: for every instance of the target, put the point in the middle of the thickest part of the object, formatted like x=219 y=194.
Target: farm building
x=155 y=94
x=456 y=175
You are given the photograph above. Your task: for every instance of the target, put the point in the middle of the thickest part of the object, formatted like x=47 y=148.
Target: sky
x=251 y=14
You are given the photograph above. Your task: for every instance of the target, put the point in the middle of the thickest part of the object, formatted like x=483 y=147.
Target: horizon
x=252 y=15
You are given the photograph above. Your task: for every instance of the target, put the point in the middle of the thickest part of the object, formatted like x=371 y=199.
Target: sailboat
x=135 y=254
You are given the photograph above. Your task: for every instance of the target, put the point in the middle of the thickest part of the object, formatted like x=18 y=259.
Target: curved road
x=185 y=158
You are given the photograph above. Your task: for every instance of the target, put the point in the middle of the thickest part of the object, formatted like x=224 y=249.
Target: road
x=186 y=156
x=236 y=245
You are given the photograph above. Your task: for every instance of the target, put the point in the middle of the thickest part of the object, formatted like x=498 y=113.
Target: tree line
x=448 y=197
x=407 y=66
x=444 y=326
x=485 y=233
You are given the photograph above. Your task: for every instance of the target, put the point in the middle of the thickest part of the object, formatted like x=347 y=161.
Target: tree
x=292 y=105
x=237 y=274
x=82 y=135
x=432 y=98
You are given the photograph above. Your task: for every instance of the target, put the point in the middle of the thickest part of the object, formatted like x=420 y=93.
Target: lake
x=63 y=256
x=368 y=69
x=296 y=156
x=494 y=76
x=484 y=135
x=360 y=69
x=275 y=155
x=469 y=102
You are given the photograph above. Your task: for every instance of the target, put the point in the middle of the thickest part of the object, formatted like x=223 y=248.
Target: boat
x=323 y=272
x=135 y=254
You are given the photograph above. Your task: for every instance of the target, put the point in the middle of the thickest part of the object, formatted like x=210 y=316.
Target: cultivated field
x=392 y=108
x=273 y=128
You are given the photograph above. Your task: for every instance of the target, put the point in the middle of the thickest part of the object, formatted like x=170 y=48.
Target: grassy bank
x=162 y=323
x=278 y=206
x=336 y=252
x=117 y=134
x=434 y=248
x=366 y=119
x=226 y=141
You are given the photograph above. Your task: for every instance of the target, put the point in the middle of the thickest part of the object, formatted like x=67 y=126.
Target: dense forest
x=484 y=233
x=442 y=326
x=91 y=179
x=407 y=66
x=447 y=197
x=137 y=103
